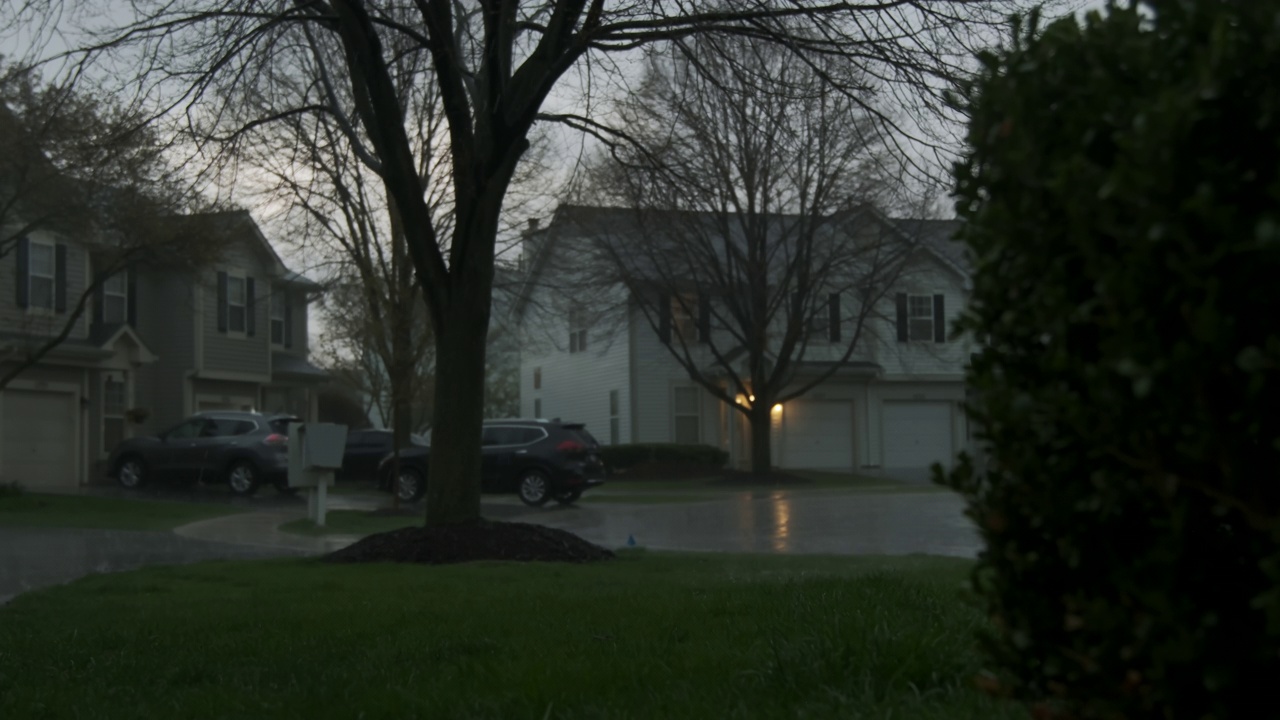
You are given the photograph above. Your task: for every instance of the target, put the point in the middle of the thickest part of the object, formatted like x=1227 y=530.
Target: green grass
x=353 y=522
x=650 y=635
x=76 y=511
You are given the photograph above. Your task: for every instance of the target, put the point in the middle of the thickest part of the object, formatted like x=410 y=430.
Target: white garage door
x=916 y=435
x=40 y=444
x=817 y=435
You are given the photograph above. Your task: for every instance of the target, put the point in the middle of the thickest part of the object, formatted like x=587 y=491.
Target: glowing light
x=752 y=398
x=777 y=409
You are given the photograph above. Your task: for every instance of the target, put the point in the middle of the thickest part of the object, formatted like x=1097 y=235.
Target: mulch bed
x=482 y=540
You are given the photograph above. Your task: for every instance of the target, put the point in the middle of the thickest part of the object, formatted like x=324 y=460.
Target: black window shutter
x=902 y=317
x=664 y=319
x=833 y=319
x=288 y=320
x=222 y=302
x=60 y=277
x=24 y=269
x=131 y=297
x=250 y=308
x=939 y=318
x=99 y=298
x=704 y=318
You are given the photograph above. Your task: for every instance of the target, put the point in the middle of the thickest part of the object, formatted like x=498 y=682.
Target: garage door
x=916 y=435
x=817 y=435
x=40 y=446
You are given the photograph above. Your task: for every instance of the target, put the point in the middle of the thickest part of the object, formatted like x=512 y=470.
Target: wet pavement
x=783 y=521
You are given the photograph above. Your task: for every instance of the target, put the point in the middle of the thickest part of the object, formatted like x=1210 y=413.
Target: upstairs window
x=577 y=331
x=921 y=318
x=115 y=299
x=41 y=274
x=236 y=304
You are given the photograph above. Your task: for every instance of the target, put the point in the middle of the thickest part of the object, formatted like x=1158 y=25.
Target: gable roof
x=935 y=237
x=227 y=223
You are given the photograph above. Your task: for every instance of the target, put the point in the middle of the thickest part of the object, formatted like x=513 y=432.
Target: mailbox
x=315 y=454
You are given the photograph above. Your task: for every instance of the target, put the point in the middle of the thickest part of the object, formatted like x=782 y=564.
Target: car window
x=230 y=427
x=492 y=436
x=188 y=429
x=355 y=437
x=527 y=435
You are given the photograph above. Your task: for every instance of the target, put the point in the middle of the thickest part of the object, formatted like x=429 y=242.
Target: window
x=278 y=329
x=113 y=407
x=115 y=299
x=506 y=435
x=920 y=317
x=188 y=429
x=237 y=302
x=614 y=423
x=537 y=378
x=537 y=407
x=686 y=420
x=684 y=316
x=824 y=326
x=41 y=271
x=230 y=427
x=577 y=331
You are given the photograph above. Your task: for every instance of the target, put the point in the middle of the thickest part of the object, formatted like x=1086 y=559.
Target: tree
x=755 y=252
x=494 y=65
x=75 y=163
x=1121 y=193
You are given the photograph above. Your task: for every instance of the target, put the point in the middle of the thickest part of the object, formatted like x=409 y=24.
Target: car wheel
x=132 y=472
x=568 y=497
x=534 y=488
x=243 y=478
x=412 y=485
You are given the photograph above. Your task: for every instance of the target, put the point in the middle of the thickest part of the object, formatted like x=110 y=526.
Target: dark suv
x=539 y=460
x=242 y=449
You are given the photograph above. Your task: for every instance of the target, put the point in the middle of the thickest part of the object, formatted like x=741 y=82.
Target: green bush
x=621 y=457
x=1121 y=198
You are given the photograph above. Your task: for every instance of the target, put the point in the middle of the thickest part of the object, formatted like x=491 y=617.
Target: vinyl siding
x=657 y=374
x=14 y=319
x=238 y=352
x=918 y=358
x=166 y=312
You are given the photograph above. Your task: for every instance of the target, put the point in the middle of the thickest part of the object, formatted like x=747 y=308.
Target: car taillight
x=570 y=447
x=275 y=439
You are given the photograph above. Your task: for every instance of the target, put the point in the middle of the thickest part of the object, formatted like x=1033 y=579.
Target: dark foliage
x=1122 y=199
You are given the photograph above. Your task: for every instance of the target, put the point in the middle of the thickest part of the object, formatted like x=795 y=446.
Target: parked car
x=242 y=449
x=539 y=460
x=365 y=449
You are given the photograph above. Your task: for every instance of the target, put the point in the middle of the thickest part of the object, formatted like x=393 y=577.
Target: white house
x=894 y=409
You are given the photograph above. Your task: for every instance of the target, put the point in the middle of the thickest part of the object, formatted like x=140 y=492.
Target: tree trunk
x=761 y=448
x=453 y=484
x=401 y=408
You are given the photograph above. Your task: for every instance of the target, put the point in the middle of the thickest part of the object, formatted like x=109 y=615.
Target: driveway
x=38 y=557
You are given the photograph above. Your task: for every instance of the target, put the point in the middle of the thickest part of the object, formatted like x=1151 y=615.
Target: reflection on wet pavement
x=786 y=522
x=32 y=558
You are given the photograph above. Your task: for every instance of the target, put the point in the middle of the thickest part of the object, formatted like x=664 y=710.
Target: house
x=156 y=342
x=893 y=409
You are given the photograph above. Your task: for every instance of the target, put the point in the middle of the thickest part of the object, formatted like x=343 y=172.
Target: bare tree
x=755 y=249
x=75 y=164
x=494 y=64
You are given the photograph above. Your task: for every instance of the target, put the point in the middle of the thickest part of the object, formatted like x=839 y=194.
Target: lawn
x=650 y=635
x=77 y=511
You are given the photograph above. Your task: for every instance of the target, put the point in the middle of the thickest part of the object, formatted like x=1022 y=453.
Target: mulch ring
x=482 y=540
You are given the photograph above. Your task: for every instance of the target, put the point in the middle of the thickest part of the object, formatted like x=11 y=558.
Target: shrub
x=11 y=490
x=621 y=457
x=1122 y=203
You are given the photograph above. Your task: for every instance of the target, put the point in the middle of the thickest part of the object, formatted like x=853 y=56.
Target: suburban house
x=156 y=342
x=895 y=408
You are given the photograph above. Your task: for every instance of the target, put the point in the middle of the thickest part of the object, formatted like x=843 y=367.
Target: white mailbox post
x=315 y=454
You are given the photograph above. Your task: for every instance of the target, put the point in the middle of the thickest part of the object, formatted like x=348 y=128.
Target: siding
x=657 y=374
x=575 y=386
x=20 y=320
x=920 y=358
x=166 y=323
x=232 y=352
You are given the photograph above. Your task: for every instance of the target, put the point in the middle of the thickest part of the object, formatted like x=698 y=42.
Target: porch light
x=777 y=409
x=752 y=398
x=740 y=399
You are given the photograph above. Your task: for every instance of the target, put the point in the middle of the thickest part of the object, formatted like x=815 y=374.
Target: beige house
x=153 y=345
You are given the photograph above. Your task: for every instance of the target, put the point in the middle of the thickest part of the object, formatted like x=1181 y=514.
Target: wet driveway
x=32 y=558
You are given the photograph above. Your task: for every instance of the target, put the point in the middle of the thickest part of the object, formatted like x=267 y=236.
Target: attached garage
x=817 y=435
x=916 y=435
x=40 y=444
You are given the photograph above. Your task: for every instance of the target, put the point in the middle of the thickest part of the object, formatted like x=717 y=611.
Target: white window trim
x=52 y=277
x=578 y=327
x=123 y=416
x=911 y=337
x=243 y=277
x=278 y=300
x=123 y=295
x=675 y=389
